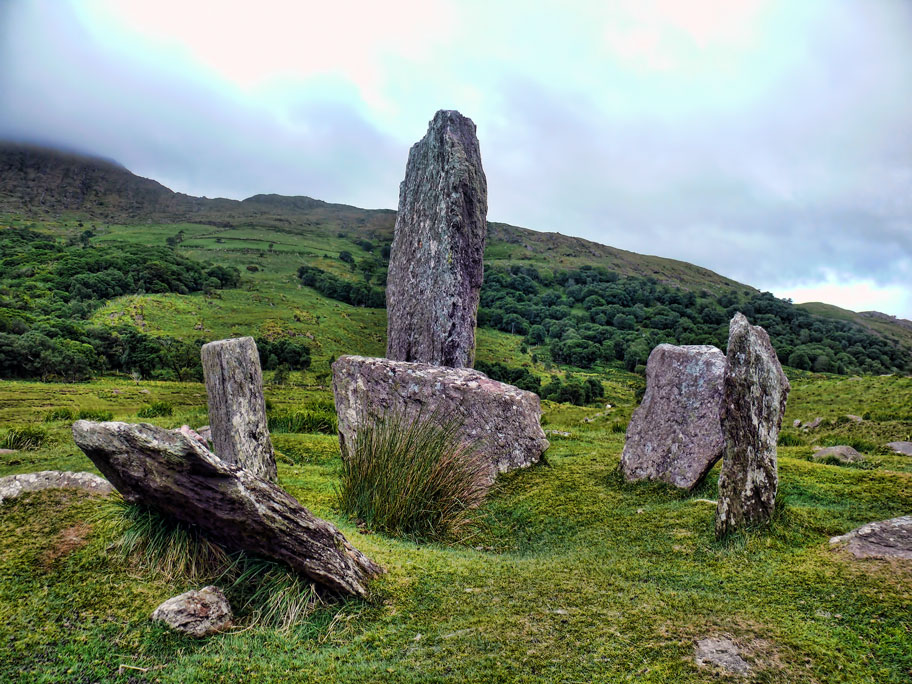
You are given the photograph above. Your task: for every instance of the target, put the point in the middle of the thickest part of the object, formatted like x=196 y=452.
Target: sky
x=768 y=141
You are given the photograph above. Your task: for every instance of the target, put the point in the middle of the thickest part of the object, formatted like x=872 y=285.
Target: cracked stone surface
x=723 y=653
x=196 y=613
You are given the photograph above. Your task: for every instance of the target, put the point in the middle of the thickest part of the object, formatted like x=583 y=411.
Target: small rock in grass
x=721 y=652
x=841 y=453
x=796 y=423
x=904 y=448
x=814 y=423
x=196 y=613
x=885 y=539
x=854 y=419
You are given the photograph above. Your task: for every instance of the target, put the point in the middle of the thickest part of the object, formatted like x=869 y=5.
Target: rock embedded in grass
x=436 y=260
x=754 y=394
x=504 y=419
x=196 y=613
x=904 y=448
x=841 y=453
x=675 y=435
x=237 y=408
x=887 y=539
x=12 y=486
x=178 y=477
x=723 y=653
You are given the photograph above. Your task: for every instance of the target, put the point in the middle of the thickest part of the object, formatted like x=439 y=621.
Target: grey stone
x=854 y=419
x=841 y=453
x=205 y=432
x=196 y=613
x=721 y=652
x=887 y=539
x=233 y=507
x=814 y=423
x=504 y=420
x=754 y=394
x=12 y=486
x=675 y=435
x=904 y=448
x=436 y=261
x=796 y=423
x=193 y=434
x=237 y=409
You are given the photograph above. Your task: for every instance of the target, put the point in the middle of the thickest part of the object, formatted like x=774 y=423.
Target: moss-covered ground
x=570 y=575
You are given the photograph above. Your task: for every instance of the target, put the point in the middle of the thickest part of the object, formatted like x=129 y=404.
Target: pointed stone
x=237 y=408
x=754 y=394
x=436 y=261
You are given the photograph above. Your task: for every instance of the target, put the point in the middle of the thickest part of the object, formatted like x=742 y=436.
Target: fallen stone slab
x=721 y=652
x=196 y=613
x=841 y=453
x=504 y=420
x=12 y=486
x=904 y=448
x=887 y=539
x=754 y=395
x=675 y=435
x=437 y=256
x=177 y=476
x=237 y=408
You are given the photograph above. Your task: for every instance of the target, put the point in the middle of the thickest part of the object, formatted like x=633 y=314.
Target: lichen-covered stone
x=675 y=435
x=754 y=394
x=504 y=420
x=721 y=652
x=196 y=613
x=436 y=261
x=237 y=408
x=887 y=539
x=842 y=453
x=177 y=476
x=12 y=486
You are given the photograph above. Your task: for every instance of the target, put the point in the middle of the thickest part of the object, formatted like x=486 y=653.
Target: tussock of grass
x=790 y=439
x=307 y=421
x=59 y=414
x=93 y=414
x=412 y=477
x=24 y=438
x=157 y=409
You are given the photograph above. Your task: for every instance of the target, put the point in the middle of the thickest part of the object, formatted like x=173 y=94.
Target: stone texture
x=841 y=453
x=504 y=419
x=721 y=652
x=196 y=613
x=675 y=435
x=904 y=448
x=754 y=394
x=814 y=424
x=888 y=539
x=12 y=486
x=436 y=266
x=176 y=475
x=237 y=409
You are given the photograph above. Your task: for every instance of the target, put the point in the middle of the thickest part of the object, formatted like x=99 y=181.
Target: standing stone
x=754 y=392
x=675 y=435
x=237 y=409
x=436 y=262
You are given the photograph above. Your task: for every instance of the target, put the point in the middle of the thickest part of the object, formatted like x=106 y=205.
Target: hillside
x=898 y=329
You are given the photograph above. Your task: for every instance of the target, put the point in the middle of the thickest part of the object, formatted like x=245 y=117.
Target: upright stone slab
x=675 y=435
x=504 y=420
x=754 y=393
x=436 y=265
x=237 y=409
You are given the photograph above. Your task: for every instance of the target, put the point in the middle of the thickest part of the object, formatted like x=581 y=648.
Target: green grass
x=570 y=574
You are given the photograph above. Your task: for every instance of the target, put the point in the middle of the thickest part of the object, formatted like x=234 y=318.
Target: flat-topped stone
x=12 y=486
x=904 y=448
x=887 y=539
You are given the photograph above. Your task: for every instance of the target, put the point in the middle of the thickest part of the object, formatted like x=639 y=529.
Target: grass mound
x=24 y=438
x=412 y=477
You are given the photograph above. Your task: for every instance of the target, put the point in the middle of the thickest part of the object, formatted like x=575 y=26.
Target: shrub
x=156 y=409
x=317 y=420
x=95 y=414
x=59 y=414
x=412 y=477
x=24 y=438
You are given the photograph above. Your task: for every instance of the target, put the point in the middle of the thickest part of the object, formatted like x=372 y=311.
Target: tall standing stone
x=675 y=435
x=436 y=261
x=237 y=409
x=754 y=393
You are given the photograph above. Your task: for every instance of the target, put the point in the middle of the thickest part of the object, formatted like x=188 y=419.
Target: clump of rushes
x=59 y=414
x=317 y=420
x=412 y=477
x=24 y=438
x=157 y=409
x=96 y=415
x=261 y=592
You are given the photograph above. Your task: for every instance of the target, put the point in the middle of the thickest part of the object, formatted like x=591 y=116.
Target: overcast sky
x=768 y=141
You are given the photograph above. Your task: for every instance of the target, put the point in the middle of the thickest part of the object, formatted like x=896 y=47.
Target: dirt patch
x=70 y=539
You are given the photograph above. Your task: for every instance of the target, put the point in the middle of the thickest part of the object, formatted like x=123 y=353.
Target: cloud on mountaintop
x=767 y=141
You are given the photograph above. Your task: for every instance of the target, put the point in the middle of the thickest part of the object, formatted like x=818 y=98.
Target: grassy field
x=571 y=575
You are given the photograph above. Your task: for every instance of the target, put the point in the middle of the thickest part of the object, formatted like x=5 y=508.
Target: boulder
x=754 y=394
x=675 y=435
x=721 y=652
x=505 y=420
x=12 y=486
x=814 y=423
x=436 y=260
x=904 y=448
x=887 y=539
x=842 y=453
x=196 y=613
x=237 y=409
x=176 y=475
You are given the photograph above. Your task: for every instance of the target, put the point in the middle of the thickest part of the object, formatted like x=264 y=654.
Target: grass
x=157 y=409
x=317 y=420
x=25 y=438
x=412 y=477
